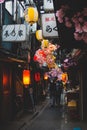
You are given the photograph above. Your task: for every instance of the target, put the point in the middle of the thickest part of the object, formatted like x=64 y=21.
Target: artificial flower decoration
x=69 y=62
x=55 y=72
x=50 y=59
x=45 y=55
x=52 y=47
x=77 y=20
x=66 y=60
x=61 y=13
x=40 y=57
x=35 y=58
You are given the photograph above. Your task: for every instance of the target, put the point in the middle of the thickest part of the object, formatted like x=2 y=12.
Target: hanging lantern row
x=31 y=15
x=39 y=37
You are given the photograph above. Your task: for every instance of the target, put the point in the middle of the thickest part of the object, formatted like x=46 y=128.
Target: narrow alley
x=43 y=64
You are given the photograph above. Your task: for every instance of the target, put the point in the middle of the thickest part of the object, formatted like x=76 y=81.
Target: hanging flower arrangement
x=55 y=72
x=45 y=56
x=68 y=62
x=40 y=57
x=76 y=20
x=50 y=59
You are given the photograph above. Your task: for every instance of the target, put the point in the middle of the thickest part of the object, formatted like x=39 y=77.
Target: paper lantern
x=64 y=77
x=45 y=43
x=37 y=76
x=45 y=76
x=26 y=77
x=39 y=35
x=31 y=15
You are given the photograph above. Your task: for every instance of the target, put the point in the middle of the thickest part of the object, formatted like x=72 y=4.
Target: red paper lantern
x=37 y=76
x=26 y=77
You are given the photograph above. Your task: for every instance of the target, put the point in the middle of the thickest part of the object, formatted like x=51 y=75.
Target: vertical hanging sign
x=49 y=26
x=48 y=5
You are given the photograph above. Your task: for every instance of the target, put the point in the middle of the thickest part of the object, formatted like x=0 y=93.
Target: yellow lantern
x=26 y=77
x=45 y=43
x=31 y=15
x=39 y=35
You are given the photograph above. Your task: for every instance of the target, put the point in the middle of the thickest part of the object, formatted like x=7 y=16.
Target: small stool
x=77 y=128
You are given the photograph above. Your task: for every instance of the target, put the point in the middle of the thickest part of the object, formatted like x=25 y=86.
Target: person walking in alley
x=32 y=98
x=59 y=89
x=52 y=92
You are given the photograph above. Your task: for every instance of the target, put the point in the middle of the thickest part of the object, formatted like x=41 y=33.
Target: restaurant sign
x=14 y=33
x=49 y=26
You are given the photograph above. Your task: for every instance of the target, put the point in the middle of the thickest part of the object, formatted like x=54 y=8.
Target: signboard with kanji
x=48 y=5
x=14 y=33
x=49 y=26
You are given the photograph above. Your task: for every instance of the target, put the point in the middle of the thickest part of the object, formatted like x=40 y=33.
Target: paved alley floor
x=45 y=118
x=54 y=118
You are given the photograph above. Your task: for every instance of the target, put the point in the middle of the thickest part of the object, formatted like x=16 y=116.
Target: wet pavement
x=54 y=118
x=45 y=118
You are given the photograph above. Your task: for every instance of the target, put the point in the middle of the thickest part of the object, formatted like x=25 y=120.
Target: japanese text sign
x=49 y=26
x=48 y=5
x=14 y=33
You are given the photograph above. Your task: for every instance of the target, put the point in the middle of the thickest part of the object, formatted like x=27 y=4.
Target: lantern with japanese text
x=26 y=77
x=31 y=15
x=37 y=77
x=39 y=35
